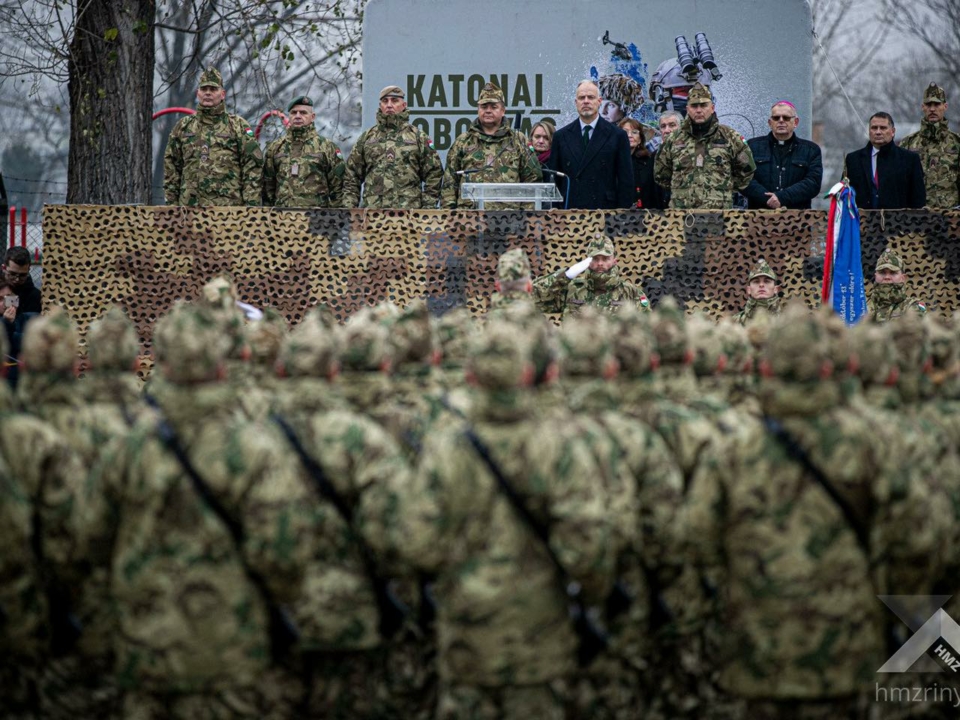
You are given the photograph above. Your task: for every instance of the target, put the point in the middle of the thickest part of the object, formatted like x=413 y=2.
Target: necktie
x=876 y=180
x=586 y=136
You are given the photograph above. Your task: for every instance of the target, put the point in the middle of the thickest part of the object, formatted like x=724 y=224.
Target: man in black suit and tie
x=883 y=175
x=595 y=156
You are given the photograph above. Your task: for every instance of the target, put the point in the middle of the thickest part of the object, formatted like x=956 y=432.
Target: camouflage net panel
x=145 y=258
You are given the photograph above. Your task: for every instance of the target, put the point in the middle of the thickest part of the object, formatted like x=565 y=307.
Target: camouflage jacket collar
x=701 y=131
x=364 y=390
x=590 y=394
x=212 y=114
x=393 y=122
x=770 y=305
x=111 y=387
x=478 y=132
x=678 y=382
x=303 y=134
x=785 y=398
x=188 y=406
x=307 y=395
x=36 y=389
x=501 y=406
x=934 y=131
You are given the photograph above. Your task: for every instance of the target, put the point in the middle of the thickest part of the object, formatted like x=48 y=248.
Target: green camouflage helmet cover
x=699 y=95
x=190 y=344
x=873 y=348
x=669 y=325
x=796 y=346
x=706 y=341
x=585 y=347
x=112 y=341
x=366 y=342
x=498 y=356
x=633 y=341
x=265 y=337
x=412 y=335
x=312 y=349
x=51 y=343
x=513 y=265
x=601 y=245
x=454 y=329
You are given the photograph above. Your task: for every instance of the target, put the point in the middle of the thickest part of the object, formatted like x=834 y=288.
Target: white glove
x=578 y=269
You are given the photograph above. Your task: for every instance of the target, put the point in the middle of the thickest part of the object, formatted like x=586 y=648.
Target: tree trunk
x=111 y=102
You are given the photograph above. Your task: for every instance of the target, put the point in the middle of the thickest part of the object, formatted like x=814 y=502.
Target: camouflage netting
x=145 y=258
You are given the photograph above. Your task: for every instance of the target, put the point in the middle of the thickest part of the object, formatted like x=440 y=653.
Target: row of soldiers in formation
x=213 y=158
x=636 y=515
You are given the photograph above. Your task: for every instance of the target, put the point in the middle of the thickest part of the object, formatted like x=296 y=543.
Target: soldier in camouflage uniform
x=507 y=646
x=789 y=526
x=513 y=283
x=703 y=162
x=888 y=299
x=497 y=154
x=763 y=295
x=394 y=161
x=204 y=564
x=43 y=556
x=113 y=354
x=303 y=168
x=593 y=281
x=342 y=638
x=212 y=158
x=265 y=337
x=939 y=150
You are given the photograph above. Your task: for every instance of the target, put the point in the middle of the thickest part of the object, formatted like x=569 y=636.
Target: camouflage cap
x=392 y=91
x=219 y=292
x=189 y=344
x=796 y=346
x=51 y=343
x=762 y=269
x=532 y=324
x=366 y=344
x=513 y=265
x=412 y=335
x=585 y=346
x=601 y=245
x=669 y=326
x=934 y=94
x=699 y=95
x=873 y=348
x=736 y=346
x=265 y=337
x=312 y=349
x=211 y=77
x=498 y=356
x=889 y=260
x=633 y=342
x=454 y=330
x=299 y=100
x=112 y=341
x=706 y=341
x=491 y=93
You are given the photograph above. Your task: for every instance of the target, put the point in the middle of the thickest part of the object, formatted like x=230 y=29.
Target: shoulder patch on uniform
x=248 y=131
x=644 y=301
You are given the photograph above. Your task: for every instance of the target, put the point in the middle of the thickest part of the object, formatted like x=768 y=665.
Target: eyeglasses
x=13 y=274
x=781 y=118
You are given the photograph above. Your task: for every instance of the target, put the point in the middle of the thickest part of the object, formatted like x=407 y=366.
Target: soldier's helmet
x=934 y=94
x=189 y=344
x=601 y=245
x=707 y=344
x=499 y=357
x=889 y=260
x=669 y=325
x=112 y=342
x=211 y=77
x=622 y=90
x=796 y=346
x=762 y=269
x=633 y=342
x=876 y=356
x=668 y=75
x=265 y=337
x=413 y=335
x=585 y=344
x=51 y=344
x=699 y=95
x=491 y=93
x=312 y=349
x=366 y=345
x=513 y=265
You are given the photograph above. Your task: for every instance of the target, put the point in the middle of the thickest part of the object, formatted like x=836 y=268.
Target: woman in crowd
x=647 y=196
x=541 y=137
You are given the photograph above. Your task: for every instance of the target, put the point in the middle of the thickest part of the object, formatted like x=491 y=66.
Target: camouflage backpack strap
x=798 y=453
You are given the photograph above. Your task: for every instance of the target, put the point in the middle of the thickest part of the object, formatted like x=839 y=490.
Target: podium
x=537 y=193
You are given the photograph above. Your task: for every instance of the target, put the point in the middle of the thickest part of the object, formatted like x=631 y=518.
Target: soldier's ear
x=826 y=369
x=654 y=361
x=892 y=377
x=246 y=353
x=552 y=372
x=721 y=363
x=334 y=370
x=221 y=371
x=280 y=369
x=527 y=375
x=611 y=369
x=386 y=366
x=471 y=378
x=529 y=285
x=764 y=368
x=688 y=356
x=436 y=357
x=137 y=364
x=76 y=367
x=496 y=285
x=853 y=364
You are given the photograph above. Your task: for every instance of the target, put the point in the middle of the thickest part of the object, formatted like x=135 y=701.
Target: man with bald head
x=789 y=169
x=594 y=154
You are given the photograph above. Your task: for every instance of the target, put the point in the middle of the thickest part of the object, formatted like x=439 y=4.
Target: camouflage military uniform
x=212 y=158
x=939 y=150
x=801 y=632
x=397 y=165
x=513 y=276
x=506 y=643
x=609 y=291
x=702 y=165
x=760 y=309
x=303 y=169
x=889 y=300
x=197 y=565
x=503 y=157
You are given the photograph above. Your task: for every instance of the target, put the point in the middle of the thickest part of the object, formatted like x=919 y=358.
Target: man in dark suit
x=595 y=156
x=883 y=175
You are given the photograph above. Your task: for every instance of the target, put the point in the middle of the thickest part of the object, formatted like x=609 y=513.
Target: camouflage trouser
x=78 y=687
x=411 y=674
x=840 y=709
x=510 y=702
x=348 y=685
x=610 y=689
x=221 y=705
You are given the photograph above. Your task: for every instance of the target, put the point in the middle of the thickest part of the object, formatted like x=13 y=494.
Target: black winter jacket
x=795 y=178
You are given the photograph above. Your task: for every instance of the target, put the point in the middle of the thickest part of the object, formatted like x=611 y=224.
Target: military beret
x=491 y=93
x=889 y=260
x=312 y=349
x=299 y=100
x=601 y=245
x=699 y=95
x=392 y=91
x=211 y=77
x=762 y=269
x=51 y=343
x=190 y=344
x=513 y=265
x=112 y=341
x=934 y=94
